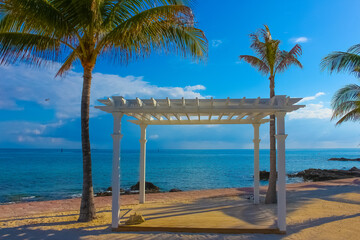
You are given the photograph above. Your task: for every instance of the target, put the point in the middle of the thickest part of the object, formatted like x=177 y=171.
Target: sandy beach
x=321 y=210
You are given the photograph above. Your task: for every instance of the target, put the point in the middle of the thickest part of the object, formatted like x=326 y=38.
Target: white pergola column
x=281 y=182
x=256 y=141
x=115 y=183
x=142 y=164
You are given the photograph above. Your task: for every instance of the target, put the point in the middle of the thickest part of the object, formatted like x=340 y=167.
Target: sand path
x=323 y=210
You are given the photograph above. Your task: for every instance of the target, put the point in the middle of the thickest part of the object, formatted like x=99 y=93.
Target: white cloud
x=195 y=88
x=33 y=134
x=300 y=40
x=21 y=83
x=216 y=43
x=305 y=99
x=154 y=137
x=312 y=110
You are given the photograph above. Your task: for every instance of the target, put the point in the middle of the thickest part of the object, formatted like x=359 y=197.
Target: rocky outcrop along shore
x=149 y=187
x=345 y=159
x=326 y=174
x=134 y=189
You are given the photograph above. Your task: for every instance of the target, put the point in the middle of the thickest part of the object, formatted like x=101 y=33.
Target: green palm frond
x=33 y=16
x=256 y=63
x=265 y=33
x=286 y=59
x=353 y=115
x=340 y=62
x=28 y=47
x=156 y=29
x=68 y=63
x=346 y=104
x=258 y=46
x=354 y=49
x=116 y=12
x=71 y=30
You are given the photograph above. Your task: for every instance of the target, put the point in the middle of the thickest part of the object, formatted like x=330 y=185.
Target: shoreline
x=24 y=209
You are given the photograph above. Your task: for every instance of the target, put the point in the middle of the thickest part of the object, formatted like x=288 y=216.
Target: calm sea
x=39 y=174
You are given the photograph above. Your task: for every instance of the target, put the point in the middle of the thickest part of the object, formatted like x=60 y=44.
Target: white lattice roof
x=199 y=111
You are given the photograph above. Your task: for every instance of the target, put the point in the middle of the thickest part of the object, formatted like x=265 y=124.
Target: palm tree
x=346 y=104
x=69 y=31
x=269 y=61
x=346 y=101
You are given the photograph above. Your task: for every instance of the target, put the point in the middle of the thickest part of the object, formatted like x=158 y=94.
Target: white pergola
x=199 y=112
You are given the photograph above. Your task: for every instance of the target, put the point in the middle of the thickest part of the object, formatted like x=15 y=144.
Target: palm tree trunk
x=271 y=192
x=87 y=208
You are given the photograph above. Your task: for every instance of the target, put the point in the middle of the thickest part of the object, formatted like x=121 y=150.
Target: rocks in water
x=264 y=175
x=345 y=159
x=325 y=174
x=175 y=190
x=103 y=194
x=108 y=192
x=149 y=187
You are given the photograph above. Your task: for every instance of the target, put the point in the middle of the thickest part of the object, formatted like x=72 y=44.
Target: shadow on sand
x=240 y=208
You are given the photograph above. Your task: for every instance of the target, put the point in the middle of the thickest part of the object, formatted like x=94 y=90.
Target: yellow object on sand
x=135 y=219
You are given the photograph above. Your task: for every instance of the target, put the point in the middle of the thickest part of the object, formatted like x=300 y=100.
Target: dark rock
x=103 y=194
x=264 y=175
x=175 y=190
x=345 y=159
x=108 y=192
x=149 y=187
x=325 y=174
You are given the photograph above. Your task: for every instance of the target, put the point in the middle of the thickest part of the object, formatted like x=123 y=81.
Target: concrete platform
x=211 y=215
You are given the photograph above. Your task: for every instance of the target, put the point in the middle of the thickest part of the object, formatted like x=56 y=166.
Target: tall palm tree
x=346 y=101
x=69 y=31
x=270 y=60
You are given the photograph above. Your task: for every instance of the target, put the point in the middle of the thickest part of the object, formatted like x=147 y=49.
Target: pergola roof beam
x=154 y=102
x=230 y=116
x=177 y=116
x=199 y=109
x=139 y=102
x=198 y=122
x=240 y=116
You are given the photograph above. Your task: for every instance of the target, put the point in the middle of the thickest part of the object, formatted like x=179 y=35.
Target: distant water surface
x=43 y=174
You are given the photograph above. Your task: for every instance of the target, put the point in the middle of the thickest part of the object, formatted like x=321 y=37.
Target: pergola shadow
x=231 y=215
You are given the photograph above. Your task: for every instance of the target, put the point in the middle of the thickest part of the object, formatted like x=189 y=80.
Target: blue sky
x=27 y=120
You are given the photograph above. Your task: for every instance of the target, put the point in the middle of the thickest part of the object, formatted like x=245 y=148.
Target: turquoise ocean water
x=39 y=174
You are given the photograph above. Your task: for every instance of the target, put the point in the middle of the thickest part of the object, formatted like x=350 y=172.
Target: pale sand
x=323 y=210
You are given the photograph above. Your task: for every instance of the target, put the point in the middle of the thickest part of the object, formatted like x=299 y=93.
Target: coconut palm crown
x=270 y=60
x=39 y=32
x=346 y=101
